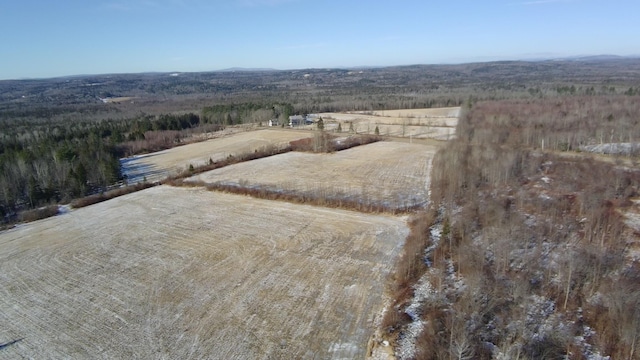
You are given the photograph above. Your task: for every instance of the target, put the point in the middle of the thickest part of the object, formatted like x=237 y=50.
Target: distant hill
x=241 y=69
x=602 y=57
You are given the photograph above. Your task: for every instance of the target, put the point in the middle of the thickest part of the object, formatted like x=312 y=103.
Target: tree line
x=246 y=112
x=48 y=163
x=48 y=160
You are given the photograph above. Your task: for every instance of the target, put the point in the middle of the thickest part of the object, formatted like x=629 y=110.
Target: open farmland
x=183 y=273
x=389 y=173
x=156 y=166
x=438 y=123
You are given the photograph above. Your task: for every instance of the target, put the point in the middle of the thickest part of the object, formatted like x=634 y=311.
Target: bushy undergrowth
x=40 y=213
x=309 y=198
x=107 y=195
x=525 y=254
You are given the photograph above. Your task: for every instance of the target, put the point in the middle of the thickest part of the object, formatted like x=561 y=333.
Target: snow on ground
x=158 y=165
x=436 y=123
x=613 y=148
x=423 y=292
x=182 y=273
x=390 y=173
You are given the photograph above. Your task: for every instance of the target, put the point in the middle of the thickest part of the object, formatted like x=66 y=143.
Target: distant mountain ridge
x=542 y=59
x=602 y=57
x=241 y=69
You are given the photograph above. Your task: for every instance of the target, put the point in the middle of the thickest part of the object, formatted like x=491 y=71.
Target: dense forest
x=52 y=163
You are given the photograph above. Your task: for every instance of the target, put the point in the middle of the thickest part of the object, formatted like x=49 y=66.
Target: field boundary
x=360 y=205
x=176 y=180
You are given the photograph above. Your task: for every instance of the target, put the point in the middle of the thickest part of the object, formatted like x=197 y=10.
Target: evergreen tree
x=320 y=124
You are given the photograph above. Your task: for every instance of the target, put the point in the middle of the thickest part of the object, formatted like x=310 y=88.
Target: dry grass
x=436 y=123
x=380 y=175
x=97 y=198
x=426 y=113
x=159 y=165
x=37 y=214
x=185 y=273
x=263 y=152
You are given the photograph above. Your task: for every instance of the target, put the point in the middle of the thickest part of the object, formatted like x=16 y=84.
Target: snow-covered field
x=437 y=123
x=156 y=166
x=390 y=173
x=181 y=273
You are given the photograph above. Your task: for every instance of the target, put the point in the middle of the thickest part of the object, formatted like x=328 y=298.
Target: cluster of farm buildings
x=296 y=120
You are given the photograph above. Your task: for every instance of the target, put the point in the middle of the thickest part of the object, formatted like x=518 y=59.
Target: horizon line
x=489 y=59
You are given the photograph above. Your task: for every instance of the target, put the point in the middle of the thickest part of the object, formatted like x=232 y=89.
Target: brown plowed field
x=183 y=273
x=390 y=173
x=156 y=166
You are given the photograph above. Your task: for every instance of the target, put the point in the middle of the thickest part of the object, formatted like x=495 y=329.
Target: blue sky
x=46 y=38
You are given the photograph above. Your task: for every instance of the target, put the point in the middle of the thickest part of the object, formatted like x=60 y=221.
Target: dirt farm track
x=183 y=273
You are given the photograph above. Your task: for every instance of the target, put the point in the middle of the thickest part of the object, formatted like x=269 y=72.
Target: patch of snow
x=541 y=320
x=632 y=220
x=582 y=342
x=407 y=343
x=612 y=148
x=545 y=197
x=343 y=350
x=436 y=235
x=64 y=209
x=595 y=299
x=436 y=232
x=597 y=356
x=455 y=282
x=423 y=292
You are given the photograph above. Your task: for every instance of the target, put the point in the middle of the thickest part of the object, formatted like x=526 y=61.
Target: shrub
x=37 y=214
x=96 y=198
